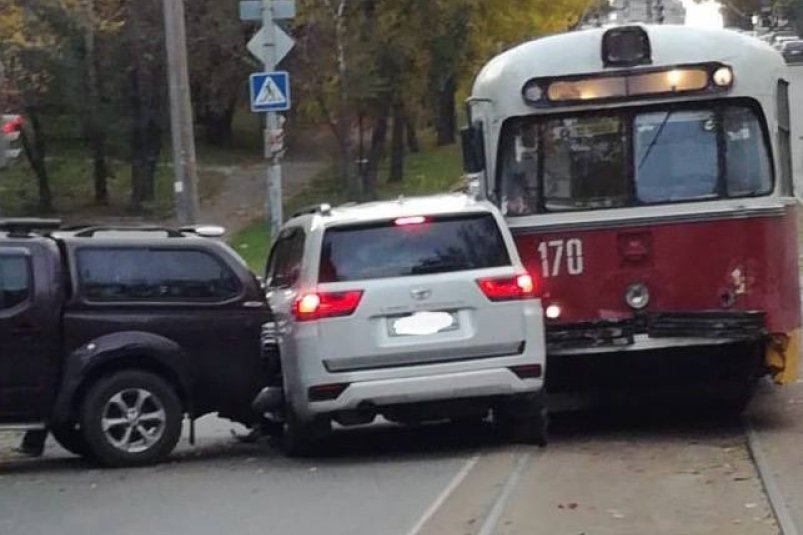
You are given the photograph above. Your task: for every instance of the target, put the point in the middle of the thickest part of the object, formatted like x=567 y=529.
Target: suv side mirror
x=473 y=148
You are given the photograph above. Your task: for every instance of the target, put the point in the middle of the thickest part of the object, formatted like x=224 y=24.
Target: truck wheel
x=300 y=438
x=525 y=419
x=70 y=437
x=131 y=418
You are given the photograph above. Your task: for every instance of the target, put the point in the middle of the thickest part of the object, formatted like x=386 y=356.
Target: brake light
x=508 y=288
x=12 y=124
x=317 y=305
x=407 y=221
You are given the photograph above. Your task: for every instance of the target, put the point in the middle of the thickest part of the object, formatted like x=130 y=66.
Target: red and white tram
x=646 y=172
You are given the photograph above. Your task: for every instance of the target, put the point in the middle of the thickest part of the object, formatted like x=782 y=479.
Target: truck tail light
x=318 y=305
x=521 y=286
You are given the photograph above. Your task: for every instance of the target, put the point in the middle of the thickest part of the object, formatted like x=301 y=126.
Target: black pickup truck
x=110 y=336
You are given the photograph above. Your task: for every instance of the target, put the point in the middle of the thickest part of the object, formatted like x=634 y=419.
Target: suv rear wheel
x=524 y=419
x=301 y=438
x=131 y=418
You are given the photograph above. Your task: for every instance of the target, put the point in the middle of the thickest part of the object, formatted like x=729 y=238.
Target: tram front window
x=627 y=158
x=675 y=156
x=584 y=163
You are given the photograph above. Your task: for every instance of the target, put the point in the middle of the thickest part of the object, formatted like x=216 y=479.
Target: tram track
x=662 y=478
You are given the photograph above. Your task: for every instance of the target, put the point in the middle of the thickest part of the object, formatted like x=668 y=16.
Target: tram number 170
x=561 y=255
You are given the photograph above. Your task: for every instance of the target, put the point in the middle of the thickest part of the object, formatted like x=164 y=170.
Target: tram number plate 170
x=561 y=256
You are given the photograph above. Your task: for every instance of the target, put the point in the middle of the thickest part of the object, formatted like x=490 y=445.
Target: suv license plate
x=423 y=324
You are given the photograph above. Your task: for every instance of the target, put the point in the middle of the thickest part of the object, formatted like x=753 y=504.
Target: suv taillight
x=317 y=305
x=521 y=286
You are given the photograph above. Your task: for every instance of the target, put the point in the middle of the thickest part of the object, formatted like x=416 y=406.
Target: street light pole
x=185 y=185
x=273 y=129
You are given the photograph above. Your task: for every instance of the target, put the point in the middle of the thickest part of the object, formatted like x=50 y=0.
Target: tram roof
x=503 y=78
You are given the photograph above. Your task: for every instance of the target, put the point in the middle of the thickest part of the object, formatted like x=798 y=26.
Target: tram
x=646 y=172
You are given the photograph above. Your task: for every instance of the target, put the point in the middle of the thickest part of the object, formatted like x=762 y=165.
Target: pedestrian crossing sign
x=270 y=91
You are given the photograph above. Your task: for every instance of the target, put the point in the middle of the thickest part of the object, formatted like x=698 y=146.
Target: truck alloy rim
x=133 y=420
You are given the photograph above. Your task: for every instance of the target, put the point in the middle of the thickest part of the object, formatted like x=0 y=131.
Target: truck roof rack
x=88 y=232
x=23 y=226
x=323 y=209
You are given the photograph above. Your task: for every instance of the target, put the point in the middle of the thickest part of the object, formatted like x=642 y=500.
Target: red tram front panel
x=742 y=261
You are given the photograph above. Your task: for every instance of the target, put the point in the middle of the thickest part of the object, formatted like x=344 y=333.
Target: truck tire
x=131 y=418
x=524 y=419
x=71 y=438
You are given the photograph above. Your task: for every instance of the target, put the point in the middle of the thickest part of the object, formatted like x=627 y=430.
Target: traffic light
x=10 y=126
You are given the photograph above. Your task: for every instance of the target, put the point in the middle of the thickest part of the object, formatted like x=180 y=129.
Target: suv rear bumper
x=461 y=385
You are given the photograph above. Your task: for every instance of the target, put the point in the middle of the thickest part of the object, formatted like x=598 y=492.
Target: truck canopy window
x=137 y=274
x=15 y=284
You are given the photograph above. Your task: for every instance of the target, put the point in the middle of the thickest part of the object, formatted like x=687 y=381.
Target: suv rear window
x=438 y=245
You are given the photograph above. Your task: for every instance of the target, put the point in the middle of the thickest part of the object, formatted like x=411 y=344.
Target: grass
x=71 y=185
x=431 y=171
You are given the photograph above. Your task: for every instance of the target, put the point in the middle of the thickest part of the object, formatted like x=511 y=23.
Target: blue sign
x=270 y=91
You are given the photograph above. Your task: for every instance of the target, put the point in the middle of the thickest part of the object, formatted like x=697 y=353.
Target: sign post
x=270 y=91
x=274 y=176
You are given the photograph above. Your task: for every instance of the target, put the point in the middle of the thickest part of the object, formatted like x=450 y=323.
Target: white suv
x=416 y=309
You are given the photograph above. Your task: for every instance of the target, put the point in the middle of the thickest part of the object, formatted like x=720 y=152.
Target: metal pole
x=185 y=186
x=273 y=206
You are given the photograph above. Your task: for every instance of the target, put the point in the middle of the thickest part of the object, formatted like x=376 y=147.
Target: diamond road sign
x=270 y=91
x=284 y=43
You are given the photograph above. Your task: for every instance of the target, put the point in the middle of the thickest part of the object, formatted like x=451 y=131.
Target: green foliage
x=428 y=172
x=72 y=188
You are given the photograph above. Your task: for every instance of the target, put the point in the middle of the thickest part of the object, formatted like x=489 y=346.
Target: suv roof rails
x=23 y=226
x=88 y=232
x=204 y=231
x=323 y=209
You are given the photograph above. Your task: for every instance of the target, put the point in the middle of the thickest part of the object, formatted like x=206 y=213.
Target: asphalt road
x=603 y=473
x=373 y=482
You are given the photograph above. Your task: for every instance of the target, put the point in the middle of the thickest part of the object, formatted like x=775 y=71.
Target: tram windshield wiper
x=654 y=140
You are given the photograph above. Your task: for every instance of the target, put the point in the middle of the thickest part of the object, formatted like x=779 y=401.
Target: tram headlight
x=723 y=77
x=637 y=296
x=553 y=311
x=532 y=92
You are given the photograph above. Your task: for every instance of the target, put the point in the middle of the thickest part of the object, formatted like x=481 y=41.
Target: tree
x=215 y=41
x=145 y=42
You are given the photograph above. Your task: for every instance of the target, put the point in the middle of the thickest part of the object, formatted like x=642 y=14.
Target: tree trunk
x=378 y=139
x=94 y=124
x=412 y=136
x=447 y=114
x=35 y=151
x=148 y=98
x=397 y=145
x=217 y=125
x=344 y=126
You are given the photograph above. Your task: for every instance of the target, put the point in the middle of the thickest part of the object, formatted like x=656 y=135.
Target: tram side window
x=675 y=156
x=785 y=138
x=519 y=183
x=584 y=163
x=748 y=169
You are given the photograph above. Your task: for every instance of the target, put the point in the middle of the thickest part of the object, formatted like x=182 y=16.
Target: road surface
x=603 y=473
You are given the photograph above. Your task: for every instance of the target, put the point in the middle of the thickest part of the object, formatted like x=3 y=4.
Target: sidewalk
x=776 y=414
